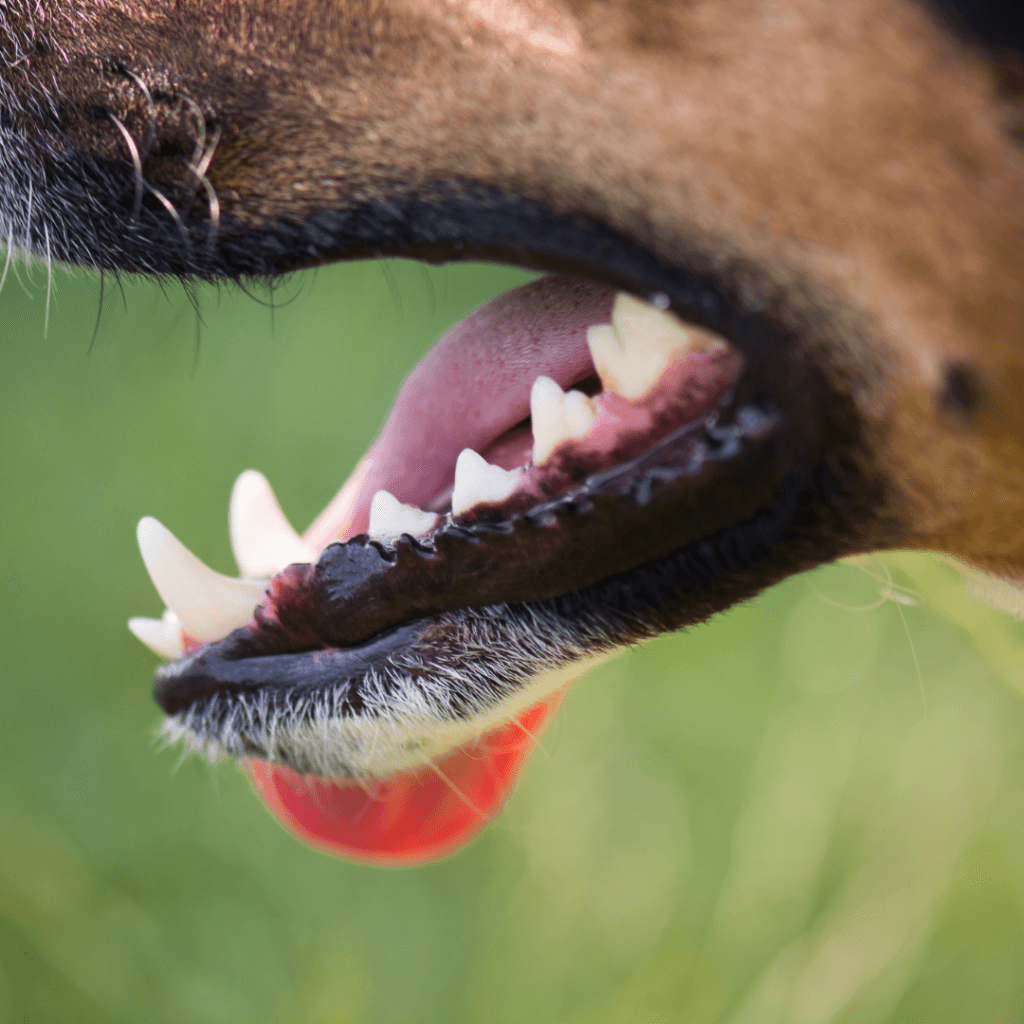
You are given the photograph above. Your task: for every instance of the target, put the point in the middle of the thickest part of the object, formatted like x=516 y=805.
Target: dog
x=781 y=322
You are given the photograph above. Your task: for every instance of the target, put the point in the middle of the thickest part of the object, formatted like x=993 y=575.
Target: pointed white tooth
x=208 y=604
x=476 y=480
x=556 y=416
x=632 y=352
x=262 y=539
x=390 y=518
x=546 y=418
x=161 y=636
x=657 y=326
x=579 y=412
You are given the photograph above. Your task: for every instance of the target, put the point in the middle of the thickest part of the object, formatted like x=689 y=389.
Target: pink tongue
x=472 y=387
x=468 y=390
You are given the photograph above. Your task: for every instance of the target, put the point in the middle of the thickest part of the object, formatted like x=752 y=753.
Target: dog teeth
x=390 y=518
x=263 y=540
x=208 y=605
x=556 y=416
x=161 y=636
x=476 y=481
x=631 y=353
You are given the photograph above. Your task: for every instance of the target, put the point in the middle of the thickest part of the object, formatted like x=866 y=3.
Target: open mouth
x=571 y=469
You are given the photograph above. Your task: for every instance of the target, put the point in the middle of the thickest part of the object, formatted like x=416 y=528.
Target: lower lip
x=411 y=817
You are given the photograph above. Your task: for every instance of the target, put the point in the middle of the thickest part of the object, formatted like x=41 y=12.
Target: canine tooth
x=476 y=481
x=208 y=605
x=556 y=416
x=632 y=352
x=390 y=518
x=161 y=636
x=262 y=539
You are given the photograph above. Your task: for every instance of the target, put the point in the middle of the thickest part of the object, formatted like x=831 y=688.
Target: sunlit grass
x=811 y=809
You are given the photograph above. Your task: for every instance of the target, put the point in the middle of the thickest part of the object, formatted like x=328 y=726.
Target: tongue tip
x=325 y=816
x=410 y=818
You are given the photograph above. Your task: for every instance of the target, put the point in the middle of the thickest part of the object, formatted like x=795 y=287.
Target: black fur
x=997 y=25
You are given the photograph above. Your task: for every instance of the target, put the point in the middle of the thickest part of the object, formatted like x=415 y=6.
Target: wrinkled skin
x=837 y=188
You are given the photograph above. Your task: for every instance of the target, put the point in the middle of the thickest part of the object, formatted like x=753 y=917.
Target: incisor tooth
x=390 y=518
x=262 y=539
x=632 y=352
x=208 y=605
x=161 y=636
x=476 y=481
x=556 y=416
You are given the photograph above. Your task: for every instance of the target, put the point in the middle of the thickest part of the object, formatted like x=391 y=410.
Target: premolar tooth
x=262 y=539
x=632 y=352
x=161 y=636
x=390 y=518
x=556 y=417
x=476 y=481
x=208 y=605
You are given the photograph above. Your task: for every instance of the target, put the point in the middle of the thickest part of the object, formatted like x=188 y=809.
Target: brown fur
x=853 y=148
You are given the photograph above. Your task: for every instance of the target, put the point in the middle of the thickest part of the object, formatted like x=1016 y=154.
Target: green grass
x=776 y=817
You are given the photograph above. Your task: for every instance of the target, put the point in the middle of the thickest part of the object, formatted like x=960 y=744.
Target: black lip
x=785 y=330
x=813 y=516
x=439 y=222
x=358 y=594
x=642 y=509
x=85 y=212
x=218 y=669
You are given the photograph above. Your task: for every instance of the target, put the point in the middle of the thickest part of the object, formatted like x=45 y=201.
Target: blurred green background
x=809 y=810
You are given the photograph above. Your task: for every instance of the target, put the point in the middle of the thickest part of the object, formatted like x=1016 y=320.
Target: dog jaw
x=834 y=193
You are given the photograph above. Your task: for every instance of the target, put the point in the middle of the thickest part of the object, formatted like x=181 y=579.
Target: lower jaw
x=409 y=815
x=412 y=817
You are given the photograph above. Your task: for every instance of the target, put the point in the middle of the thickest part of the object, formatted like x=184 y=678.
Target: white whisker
x=49 y=280
x=455 y=789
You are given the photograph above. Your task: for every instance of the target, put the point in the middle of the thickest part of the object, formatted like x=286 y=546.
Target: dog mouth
x=570 y=469
x=579 y=465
